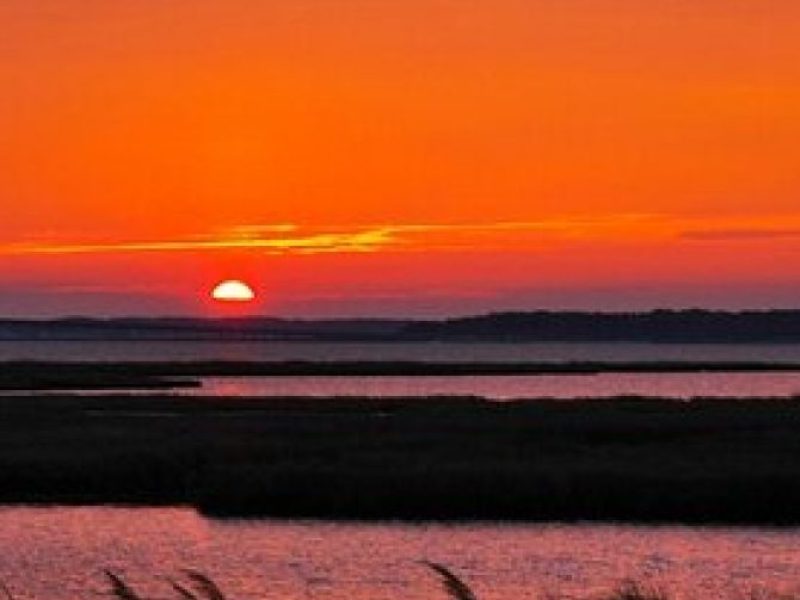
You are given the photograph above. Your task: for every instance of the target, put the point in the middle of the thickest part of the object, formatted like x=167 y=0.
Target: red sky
x=363 y=157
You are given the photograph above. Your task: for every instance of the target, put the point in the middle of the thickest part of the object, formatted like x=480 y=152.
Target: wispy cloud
x=360 y=241
x=288 y=238
x=293 y=239
x=712 y=235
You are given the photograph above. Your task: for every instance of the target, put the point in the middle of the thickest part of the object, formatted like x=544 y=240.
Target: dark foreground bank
x=708 y=461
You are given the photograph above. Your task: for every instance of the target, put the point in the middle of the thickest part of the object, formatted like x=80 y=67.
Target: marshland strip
x=36 y=375
x=624 y=459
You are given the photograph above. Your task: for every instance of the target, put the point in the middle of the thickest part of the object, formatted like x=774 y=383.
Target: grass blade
x=205 y=585
x=455 y=587
x=182 y=591
x=120 y=589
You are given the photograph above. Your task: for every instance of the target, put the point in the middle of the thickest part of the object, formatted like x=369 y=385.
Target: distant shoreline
x=691 y=326
x=398 y=342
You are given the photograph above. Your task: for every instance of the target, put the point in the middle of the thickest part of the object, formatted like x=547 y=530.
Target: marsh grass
x=455 y=587
x=720 y=461
x=632 y=590
x=202 y=587
x=119 y=588
x=458 y=589
x=198 y=586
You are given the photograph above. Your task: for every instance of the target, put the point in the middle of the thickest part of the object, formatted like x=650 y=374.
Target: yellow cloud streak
x=366 y=239
x=352 y=242
x=275 y=239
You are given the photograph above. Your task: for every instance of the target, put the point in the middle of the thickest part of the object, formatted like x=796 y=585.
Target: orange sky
x=387 y=157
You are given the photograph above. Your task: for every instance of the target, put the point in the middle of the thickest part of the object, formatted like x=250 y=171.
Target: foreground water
x=59 y=554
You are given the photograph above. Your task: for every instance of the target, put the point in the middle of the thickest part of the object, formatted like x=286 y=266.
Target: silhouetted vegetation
x=198 y=586
x=457 y=589
x=52 y=376
x=199 y=329
x=679 y=326
x=625 y=459
x=202 y=587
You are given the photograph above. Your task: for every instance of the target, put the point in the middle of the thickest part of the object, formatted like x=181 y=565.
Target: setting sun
x=233 y=291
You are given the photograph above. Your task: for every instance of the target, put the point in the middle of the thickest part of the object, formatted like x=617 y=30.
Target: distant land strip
x=34 y=375
x=658 y=326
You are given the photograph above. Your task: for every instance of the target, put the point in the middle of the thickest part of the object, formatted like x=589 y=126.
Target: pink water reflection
x=673 y=385
x=58 y=554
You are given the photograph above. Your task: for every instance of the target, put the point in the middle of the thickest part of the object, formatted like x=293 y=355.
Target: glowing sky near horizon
x=423 y=157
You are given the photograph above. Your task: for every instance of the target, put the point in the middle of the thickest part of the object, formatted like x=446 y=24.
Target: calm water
x=432 y=351
x=683 y=385
x=671 y=385
x=58 y=554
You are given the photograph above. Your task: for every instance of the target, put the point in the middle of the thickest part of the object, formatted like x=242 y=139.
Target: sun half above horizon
x=233 y=290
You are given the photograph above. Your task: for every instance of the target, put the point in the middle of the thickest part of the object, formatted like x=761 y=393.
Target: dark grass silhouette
x=198 y=586
x=202 y=587
x=625 y=459
x=457 y=589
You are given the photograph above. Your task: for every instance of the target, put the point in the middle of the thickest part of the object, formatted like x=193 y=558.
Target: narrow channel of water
x=671 y=385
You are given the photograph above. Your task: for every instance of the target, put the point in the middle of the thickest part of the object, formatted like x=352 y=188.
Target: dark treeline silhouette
x=684 y=326
x=176 y=328
x=624 y=459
